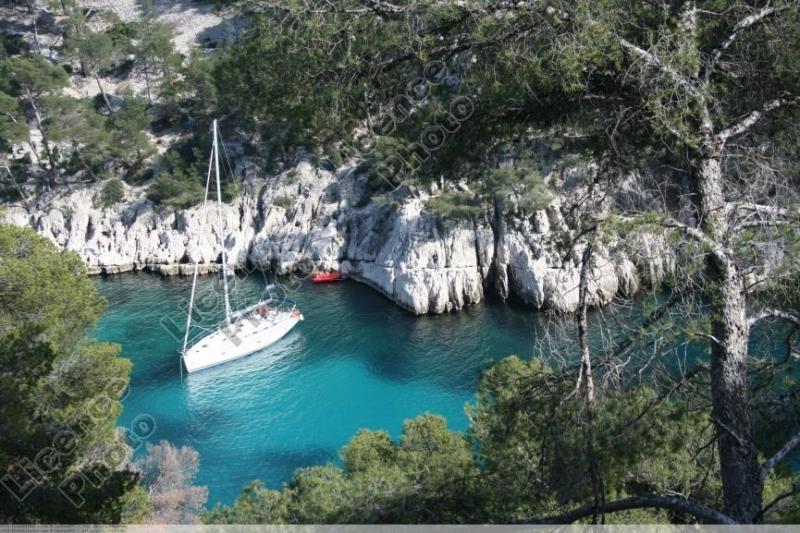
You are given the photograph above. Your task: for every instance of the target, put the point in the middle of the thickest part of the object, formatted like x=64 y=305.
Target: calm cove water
x=357 y=361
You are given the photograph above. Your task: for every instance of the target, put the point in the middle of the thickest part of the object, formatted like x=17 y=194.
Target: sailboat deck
x=245 y=336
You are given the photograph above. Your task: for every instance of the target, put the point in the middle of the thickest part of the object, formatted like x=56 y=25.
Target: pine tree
x=94 y=50
x=64 y=460
x=30 y=79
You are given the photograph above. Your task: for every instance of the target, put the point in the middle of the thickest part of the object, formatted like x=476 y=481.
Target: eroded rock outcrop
x=308 y=218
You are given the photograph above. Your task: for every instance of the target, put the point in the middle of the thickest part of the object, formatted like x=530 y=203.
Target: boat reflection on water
x=259 y=370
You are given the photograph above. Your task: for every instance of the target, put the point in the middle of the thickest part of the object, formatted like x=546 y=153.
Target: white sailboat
x=245 y=331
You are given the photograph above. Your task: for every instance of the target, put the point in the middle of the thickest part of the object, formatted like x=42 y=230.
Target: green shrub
x=113 y=192
x=454 y=205
x=182 y=185
x=283 y=201
x=292 y=177
x=176 y=189
x=524 y=184
x=11 y=45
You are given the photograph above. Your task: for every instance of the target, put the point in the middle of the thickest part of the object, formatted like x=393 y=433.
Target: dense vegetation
x=64 y=460
x=60 y=393
x=97 y=138
x=686 y=112
x=523 y=459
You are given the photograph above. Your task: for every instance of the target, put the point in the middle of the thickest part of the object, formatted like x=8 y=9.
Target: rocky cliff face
x=308 y=218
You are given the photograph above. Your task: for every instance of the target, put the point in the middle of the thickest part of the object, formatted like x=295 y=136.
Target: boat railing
x=237 y=315
x=204 y=331
x=271 y=302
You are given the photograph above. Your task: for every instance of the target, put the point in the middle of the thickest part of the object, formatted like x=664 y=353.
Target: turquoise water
x=357 y=361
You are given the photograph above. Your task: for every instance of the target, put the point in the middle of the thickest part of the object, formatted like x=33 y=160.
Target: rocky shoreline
x=308 y=218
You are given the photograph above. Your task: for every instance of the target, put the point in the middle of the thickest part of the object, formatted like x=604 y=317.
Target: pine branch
x=770 y=463
x=788 y=494
x=698 y=510
x=752 y=119
x=654 y=61
x=774 y=313
x=738 y=29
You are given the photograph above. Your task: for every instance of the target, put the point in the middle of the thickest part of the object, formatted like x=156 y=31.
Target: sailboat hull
x=246 y=336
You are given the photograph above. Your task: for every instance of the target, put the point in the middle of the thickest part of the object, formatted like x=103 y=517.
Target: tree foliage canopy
x=698 y=99
x=60 y=391
x=523 y=456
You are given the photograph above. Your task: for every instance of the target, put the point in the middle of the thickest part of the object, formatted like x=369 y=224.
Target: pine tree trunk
x=103 y=92
x=741 y=482
x=32 y=11
x=85 y=165
x=586 y=379
x=500 y=278
x=147 y=84
x=45 y=142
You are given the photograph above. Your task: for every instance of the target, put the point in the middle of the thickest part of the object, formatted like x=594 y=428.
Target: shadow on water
x=285 y=462
x=435 y=347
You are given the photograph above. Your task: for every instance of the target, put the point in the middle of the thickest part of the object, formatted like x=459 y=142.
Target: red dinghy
x=326 y=278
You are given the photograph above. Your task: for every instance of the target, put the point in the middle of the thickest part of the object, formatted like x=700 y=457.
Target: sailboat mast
x=196 y=266
x=221 y=227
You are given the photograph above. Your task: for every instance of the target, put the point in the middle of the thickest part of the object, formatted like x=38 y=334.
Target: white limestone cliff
x=421 y=262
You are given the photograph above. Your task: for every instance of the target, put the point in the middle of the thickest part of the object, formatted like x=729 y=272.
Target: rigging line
x=230 y=166
x=194 y=275
x=228 y=160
